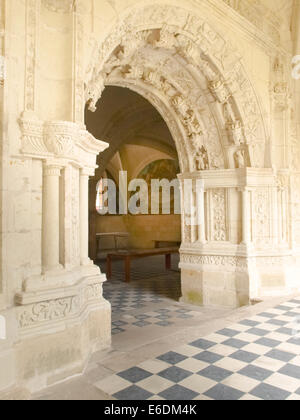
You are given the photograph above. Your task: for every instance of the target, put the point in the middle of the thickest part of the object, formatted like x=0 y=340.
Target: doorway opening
x=141 y=150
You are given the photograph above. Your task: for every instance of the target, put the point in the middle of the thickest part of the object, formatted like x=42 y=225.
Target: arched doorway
x=196 y=81
x=141 y=151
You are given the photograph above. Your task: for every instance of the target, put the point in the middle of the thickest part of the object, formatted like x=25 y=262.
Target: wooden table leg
x=108 y=267
x=127 y=269
x=168 y=262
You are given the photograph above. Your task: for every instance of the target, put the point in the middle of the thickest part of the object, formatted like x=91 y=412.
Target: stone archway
x=193 y=76
x=245 y=243
x=196 y=80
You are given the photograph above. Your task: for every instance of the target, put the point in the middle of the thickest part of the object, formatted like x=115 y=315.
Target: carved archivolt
x=184 y=66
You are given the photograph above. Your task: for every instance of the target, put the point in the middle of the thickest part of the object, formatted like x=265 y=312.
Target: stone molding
x=231 y=263
x=259 y=15
x=53 y=306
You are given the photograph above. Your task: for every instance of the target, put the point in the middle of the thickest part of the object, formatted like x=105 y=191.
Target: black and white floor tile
x=257 y=359
x=150 y=284
x=160 y=317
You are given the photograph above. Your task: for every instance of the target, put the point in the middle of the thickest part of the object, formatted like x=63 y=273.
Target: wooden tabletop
x=144 y=252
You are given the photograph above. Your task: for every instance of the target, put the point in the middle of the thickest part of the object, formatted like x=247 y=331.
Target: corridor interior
x=162 y=348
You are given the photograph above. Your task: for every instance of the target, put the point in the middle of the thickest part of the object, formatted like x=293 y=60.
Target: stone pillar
x=193 y=215
x=51 y=225
x=245 y=217
x=276 y=218
x=84 y=216
x=201 y=213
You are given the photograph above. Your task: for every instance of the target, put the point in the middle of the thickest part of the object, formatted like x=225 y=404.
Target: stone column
x=245 y=217
x=193 y=215
x=51 y=226
x=201 y=211
x=84 y=215
x=276 y=218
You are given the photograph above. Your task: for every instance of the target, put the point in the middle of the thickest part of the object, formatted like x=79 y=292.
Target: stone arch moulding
x=195 y=79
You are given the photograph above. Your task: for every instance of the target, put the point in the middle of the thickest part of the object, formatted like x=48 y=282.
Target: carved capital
x=59 y=140
x=59 y=137
x=32 y=135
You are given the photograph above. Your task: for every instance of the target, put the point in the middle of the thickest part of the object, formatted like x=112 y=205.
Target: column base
x=210 y=280
x=235 y=281
x=226 y=290
x=56 y=331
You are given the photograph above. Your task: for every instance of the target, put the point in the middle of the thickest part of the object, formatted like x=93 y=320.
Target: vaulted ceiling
x=124 y=117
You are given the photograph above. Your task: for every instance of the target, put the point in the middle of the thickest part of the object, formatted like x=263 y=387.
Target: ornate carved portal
x=189 y=73
x=196 y=80
x=240 y=234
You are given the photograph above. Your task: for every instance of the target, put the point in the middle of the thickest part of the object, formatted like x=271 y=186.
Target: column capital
x=244 y=189
x=52 y=170
x=87 y=172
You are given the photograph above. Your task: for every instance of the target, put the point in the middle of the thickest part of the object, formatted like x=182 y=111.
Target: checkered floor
x=150 y=284
x=161 y=317
x=257 y=358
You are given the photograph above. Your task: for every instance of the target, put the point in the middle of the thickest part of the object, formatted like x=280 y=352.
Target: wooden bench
x=130 y=255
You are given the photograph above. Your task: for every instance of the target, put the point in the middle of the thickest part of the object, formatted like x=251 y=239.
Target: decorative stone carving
x=235 y=132
x=219 y=215
x=220 y=262
x=261 y=217
x=202 y=163
x=181 y=105
x=95 y=93
x=281 y=96
x=32 y=135
x=31 y=14
x=167 y=37
x=59 y=309
x=130 y=55
x=2 y=70
x=52 y=310
x=219 y=90
x=280 y=89
x=239 y=158
x=58 y=139
x=60 y=6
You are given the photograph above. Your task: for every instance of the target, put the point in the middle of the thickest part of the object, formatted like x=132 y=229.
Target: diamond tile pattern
x=268 y=371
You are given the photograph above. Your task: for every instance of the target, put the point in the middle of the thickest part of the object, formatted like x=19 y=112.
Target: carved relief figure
x=235 y=131
x=239 y=158
x=202 y=160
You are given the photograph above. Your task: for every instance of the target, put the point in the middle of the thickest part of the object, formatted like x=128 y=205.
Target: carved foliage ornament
x=58 y=138
x=185 y=36
x=58 y=309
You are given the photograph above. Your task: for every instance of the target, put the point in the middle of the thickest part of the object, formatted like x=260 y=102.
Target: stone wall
x=223 y=85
